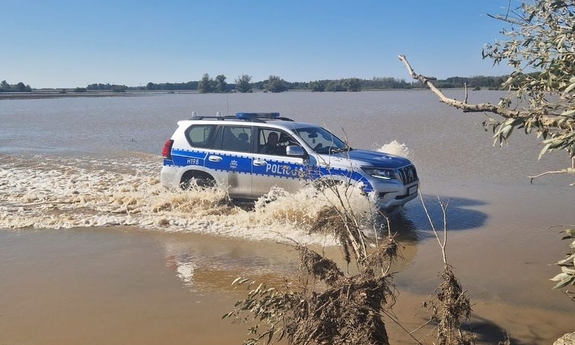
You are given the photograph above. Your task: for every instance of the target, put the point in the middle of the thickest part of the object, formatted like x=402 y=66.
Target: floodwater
x=93 y=250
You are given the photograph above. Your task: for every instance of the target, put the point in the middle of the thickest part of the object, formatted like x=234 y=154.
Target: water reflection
x=205 y=263
x=399 y=224
x=461 y=213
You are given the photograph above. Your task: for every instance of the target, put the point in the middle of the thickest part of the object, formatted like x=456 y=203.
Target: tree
x=317 y=86
x=107 y=87
x=243 y=83
x=205 y=85
x=20 y=87
x=119 y=88
x=275 y=84
x=540 y=47
x=335 y=86
x=220 y=84
x=4 y=86
x=352 y=84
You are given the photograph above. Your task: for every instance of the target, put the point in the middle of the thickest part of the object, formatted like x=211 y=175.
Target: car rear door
x=230 y=161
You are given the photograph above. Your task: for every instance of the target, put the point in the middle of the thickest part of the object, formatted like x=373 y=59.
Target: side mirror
x=295 y=151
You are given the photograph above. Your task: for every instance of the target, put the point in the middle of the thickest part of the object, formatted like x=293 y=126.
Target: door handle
x=215 y=159
x=260 y=163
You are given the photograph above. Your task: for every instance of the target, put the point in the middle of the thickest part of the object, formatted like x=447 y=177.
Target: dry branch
x=482 y=107
x=554 y=123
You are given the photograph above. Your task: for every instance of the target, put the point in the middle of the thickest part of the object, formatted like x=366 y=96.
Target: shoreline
x=67 y=94
x=54 y=93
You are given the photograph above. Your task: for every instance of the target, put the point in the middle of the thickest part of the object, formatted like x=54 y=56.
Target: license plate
x=412 y=190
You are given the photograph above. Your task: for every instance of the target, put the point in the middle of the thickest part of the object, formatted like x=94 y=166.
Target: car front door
x=272 y=167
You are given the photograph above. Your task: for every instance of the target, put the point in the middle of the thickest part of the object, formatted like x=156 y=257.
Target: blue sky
x=71 y=43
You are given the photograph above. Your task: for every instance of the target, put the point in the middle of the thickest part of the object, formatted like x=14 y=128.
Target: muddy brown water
x=94 y=251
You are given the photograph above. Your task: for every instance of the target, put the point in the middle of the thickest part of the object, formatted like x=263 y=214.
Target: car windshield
x=321 y=140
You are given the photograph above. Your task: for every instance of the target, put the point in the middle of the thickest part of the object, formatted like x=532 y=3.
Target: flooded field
x=93 y=250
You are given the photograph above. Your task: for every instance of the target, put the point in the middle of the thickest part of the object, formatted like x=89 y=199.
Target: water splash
x=64 y=192
x=396 y=148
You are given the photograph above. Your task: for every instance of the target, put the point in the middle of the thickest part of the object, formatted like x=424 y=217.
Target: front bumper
x=389 y=200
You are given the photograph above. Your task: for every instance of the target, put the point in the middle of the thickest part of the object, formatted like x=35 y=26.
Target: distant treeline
x=107 y=87
x=20 y=87
x=276 y=84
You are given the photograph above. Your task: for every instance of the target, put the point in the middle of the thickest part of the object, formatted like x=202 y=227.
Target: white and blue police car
x=250 y=153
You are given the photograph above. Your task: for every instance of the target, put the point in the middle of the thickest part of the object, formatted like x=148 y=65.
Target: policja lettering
x=279 y=169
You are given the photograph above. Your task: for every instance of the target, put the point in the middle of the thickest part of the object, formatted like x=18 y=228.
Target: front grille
x=408 y=174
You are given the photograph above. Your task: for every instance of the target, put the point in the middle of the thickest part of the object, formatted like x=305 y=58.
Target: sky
x=74 y=43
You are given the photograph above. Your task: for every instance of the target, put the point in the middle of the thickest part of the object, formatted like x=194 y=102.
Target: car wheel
x=197 y=179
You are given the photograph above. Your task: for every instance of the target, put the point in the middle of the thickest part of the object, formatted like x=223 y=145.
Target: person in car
x=271 y=145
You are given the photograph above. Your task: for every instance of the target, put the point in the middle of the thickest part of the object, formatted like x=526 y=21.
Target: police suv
x=251 y=152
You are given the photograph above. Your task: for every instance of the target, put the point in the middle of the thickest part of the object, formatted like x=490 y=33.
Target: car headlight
x=385 y=174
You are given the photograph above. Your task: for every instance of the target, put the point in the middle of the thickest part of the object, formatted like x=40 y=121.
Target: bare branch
x=562 y=171
x=482 y=107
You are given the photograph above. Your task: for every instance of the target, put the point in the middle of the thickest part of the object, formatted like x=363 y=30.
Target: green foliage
x=243 y=83
x=275 y=84
x=317 y=86
x=208 y=85
x=388 y=83
x=107 y=87
x=352 y=84
x=488 y=82
x=335 y=86
x=205 y=84
x=191 y=85
x=540 y=46
x=567 y=275
x=20 y=87
x=220 y=85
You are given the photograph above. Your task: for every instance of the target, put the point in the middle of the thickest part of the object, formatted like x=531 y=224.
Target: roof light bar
x=249 y=116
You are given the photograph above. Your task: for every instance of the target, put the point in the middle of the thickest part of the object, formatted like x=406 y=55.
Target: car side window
x=236 y=138
x=200 y=135
x=274 y=141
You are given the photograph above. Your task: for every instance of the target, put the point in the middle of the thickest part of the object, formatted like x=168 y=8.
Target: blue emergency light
x=250 y=116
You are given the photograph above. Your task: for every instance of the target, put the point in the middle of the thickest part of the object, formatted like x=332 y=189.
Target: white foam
x=60 y=192
x=396 y=148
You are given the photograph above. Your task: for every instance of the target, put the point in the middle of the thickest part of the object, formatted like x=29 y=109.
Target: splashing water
x=396 y=148
x=65 y=192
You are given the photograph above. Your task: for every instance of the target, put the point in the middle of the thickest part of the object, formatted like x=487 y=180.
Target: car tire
x=199 y=179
